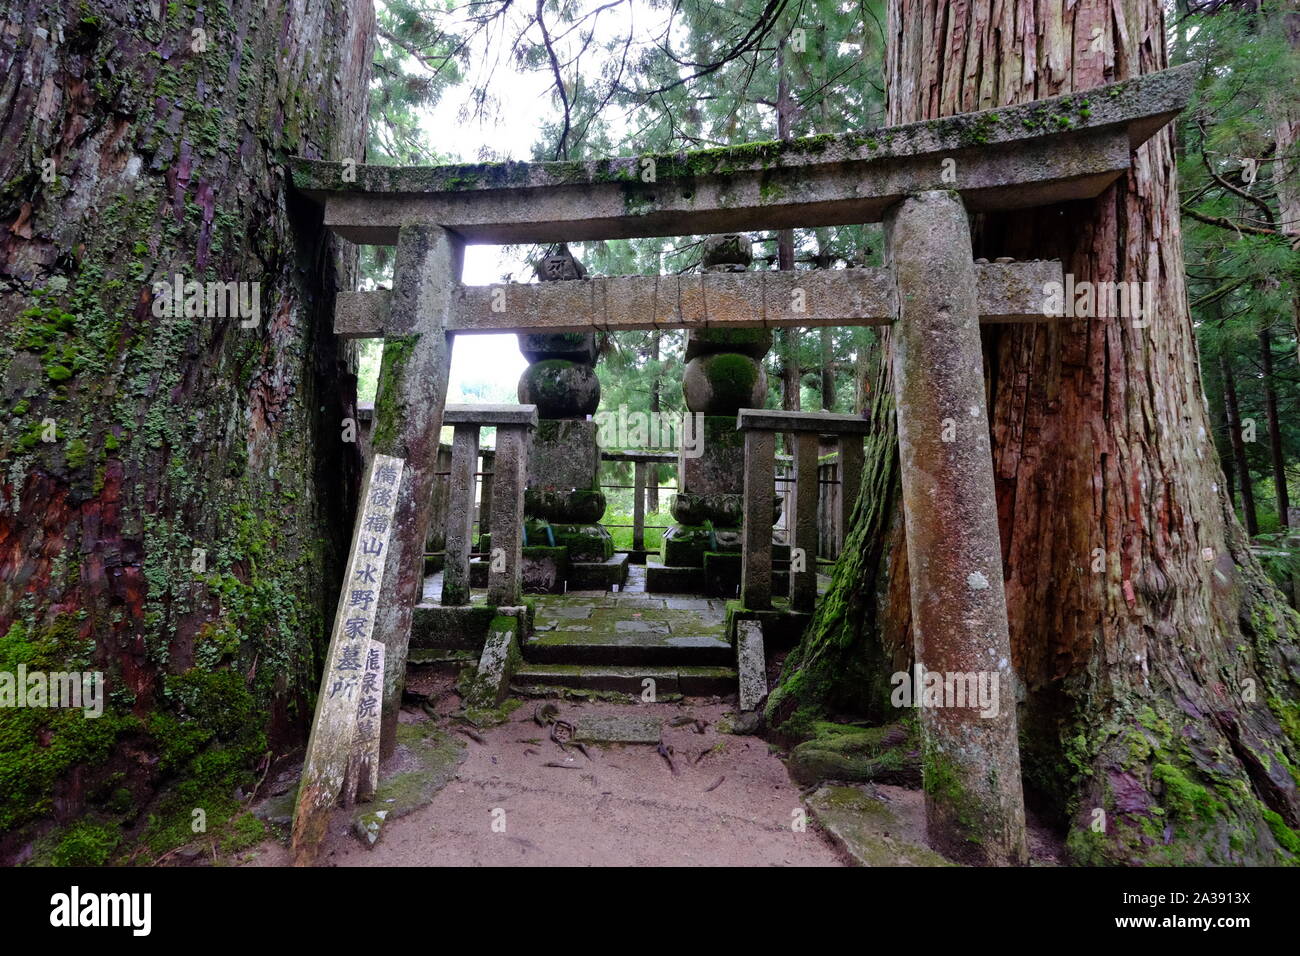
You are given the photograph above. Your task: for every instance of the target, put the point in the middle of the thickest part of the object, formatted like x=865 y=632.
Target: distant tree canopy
x=624 y=79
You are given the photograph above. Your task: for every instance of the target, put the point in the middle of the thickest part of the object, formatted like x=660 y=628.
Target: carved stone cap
x=560 y=265
x=729 y=252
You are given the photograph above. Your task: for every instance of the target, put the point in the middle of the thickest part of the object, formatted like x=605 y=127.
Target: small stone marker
x=329 y=751
x=751 y=664
x=498 y=663
x=618 y=729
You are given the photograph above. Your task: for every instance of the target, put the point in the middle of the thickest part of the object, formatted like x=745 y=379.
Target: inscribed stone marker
x=329 y=750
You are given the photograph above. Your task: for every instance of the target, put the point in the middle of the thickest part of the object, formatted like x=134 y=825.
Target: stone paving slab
x=869 y=830
x=617 y=613
x=619 y=729
x=563 y=610
x=692 y=604
x=641 y=627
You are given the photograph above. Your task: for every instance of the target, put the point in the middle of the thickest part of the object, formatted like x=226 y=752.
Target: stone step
x=649 y=647
x=691 y=681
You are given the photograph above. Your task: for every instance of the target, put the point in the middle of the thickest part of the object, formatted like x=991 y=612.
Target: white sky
x=486 y=368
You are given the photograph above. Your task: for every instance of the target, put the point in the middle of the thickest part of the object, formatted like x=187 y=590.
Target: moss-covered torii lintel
x=1051 y=150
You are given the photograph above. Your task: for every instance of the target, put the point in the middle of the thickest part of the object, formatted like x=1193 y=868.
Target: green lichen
x=78 y=453
x=1286 y=837
x=977 y=129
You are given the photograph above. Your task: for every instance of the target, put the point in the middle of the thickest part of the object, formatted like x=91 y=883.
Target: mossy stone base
x=684 y=545
x=452 y=628
x=586 y=542
x=868 y=830
x=882 y=754
x=598 y=575
x=434 y=755
x=664 y=579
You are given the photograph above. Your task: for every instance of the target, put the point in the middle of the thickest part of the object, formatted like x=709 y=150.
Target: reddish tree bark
x=1159 y=662
x=182 y=531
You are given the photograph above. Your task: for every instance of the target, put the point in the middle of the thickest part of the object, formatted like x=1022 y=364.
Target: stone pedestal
x=564 y=542
x=724 y=373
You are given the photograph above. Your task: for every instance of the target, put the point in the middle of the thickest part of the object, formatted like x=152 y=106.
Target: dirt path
x=622 y=807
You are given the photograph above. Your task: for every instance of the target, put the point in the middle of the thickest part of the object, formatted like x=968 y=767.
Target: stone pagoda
x=565 y=547
x=724 y=373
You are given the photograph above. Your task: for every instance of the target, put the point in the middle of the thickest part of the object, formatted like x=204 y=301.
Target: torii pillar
x=408 y=420
x=974 y=804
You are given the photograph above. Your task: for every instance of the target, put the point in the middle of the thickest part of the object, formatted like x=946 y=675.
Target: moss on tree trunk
x=176 y=493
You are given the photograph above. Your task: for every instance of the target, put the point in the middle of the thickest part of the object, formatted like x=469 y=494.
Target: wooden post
x=803 y=584
x=974 y=804
x=826 y=543
x=460 y=522
x=638 y=506
x=510 y=466
x=408 y=420
x=329 y=749
x=756 y=539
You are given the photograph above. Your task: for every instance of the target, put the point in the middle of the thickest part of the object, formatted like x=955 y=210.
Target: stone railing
x=503 y=498
x=760 y=428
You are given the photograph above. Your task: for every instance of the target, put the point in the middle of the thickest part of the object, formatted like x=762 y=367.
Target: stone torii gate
x=922 y=180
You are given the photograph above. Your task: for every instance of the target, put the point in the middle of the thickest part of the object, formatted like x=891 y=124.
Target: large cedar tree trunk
x=182 y=532
x=1285 y=111
x=1161 y=688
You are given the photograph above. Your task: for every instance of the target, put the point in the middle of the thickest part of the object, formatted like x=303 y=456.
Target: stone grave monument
x=724 y=373
x=565 y=546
